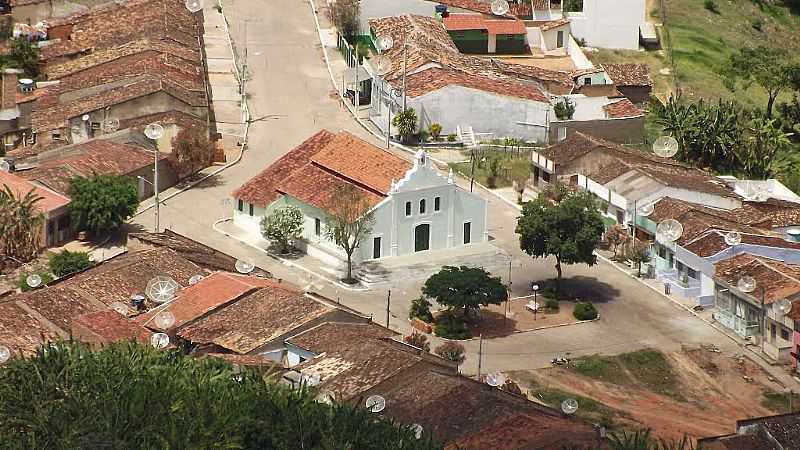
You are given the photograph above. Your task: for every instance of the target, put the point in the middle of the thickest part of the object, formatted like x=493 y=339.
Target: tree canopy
x=568 y=230
x=192 y=150
x=66 y=262
x=772 y=68
x=283 y=226
x=102 y=203
x=136 y=397
x=465 y=288
x=349 y=221
x=21 y=223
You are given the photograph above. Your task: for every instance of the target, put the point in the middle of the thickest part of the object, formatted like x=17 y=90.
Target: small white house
x=416 y=208
x=612 y=24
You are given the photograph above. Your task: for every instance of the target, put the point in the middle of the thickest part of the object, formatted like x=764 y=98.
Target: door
x=422 y=237
x=560 y=39
x=376 y=247
x=467 y=232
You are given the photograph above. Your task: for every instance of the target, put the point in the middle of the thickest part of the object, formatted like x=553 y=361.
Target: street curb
x=285 y=261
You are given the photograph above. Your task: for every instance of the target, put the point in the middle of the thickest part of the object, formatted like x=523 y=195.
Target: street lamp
x=154 y=132
x=535 y=289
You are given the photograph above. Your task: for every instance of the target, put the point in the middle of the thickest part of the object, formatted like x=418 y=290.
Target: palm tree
x=20 y=224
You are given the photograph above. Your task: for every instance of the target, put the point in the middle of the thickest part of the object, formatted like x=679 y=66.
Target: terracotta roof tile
x=332 y=336
x=20 y=331
x=536 y=73
x=712 y=242
x=551 y=24
x=316 y=186
x=622 y=108
x=481 y=6
x=460 y=22
x=421 y=83
x=629 y=74
x=55 y=178
x=50 y=200
x=109 y=326
x=780 y=280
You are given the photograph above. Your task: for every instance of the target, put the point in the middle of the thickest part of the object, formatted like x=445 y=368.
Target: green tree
x=465 y=288
x=66 y=262
x=640 y=254
x=283 y=226
x=568 y=230
x=764 y=142
x=435 y=130
x=21 y=223
x=192 y=150
x=420 y=309
x=564 y=109
x=772 y=68
x=350 y=220
x=406 y=123
x=101 y=203
x=24 y=55
x=131 y=396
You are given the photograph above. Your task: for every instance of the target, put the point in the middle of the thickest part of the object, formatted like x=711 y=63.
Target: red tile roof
x=622 y=108
x=334 y=336
x=460 y=22
x=778 y=279
x=480 y=6
x=421 y=83
x=109 y=326
x=21 y=331
x=712 y=242
x=315 y=186
x=50 y=200
x=629 y=74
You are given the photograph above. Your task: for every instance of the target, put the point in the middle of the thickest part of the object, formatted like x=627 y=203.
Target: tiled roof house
x=53 y=205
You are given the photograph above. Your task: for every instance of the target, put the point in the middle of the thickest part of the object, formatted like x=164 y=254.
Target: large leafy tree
x=349 y=221
x=568 y=230
x=465 y=288
x=192 y=150
x=772 y=68
x=283 y=226
x=101 y=203
x=135 y=397
x=21 y=223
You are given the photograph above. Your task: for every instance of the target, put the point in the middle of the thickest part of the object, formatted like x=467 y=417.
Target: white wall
x=550 y=38
x=596 y=78
x=609 y=23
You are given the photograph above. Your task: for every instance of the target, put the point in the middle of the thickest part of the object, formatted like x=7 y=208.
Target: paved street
x=288 y=77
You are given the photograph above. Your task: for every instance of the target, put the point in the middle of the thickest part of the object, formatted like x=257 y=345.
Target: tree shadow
x=591 y=289
x=491 y=324
x=291 y=253
x=210 y=182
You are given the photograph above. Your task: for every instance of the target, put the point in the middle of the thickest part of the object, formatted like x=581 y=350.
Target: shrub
x=451 y=351
x=584 y=311
x=422 y=136
x=564 y=109
x=22 y=282
x=435 y=130
x=711 y=5
x=551 y=304
x=451 y=137
x=449 y=326
x=420 y=309
x=283 y=226
x=757 y=23
x=67 y=262
x=418 y=340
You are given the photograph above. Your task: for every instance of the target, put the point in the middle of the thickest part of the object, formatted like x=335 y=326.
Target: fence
x=347 y=50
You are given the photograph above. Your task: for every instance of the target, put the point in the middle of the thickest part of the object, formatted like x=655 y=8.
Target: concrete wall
x=166 y=178
x=550 y=38
x=46 y=9
x=623 y=131
x=594 y=79
x=609 y=23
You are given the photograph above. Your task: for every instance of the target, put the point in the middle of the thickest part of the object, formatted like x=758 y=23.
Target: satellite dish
x=381 y=64
x=569 y=406
x=194 y=5
x=5 y=354
x=417 y=429
x=669 y=230
x=500 y=7
x=195 y=279
x=111 y=125
x=164 y=320
x=33 y=280
x=154 y=131
x=733 y=238
x=5 y=166
x=783 y=306
x=385 y=42
x=244 y=266
x=376 y=403
x=495 y=379
x=159 y=340
x=326 y=397
x=646 y=210
x=85 y=117
x=120 y=307
x=746 y=284
x=665 y=147
x=161 y=289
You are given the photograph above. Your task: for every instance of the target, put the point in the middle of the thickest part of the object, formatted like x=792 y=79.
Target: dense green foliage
x=129 y=396
x=771 y=68
x=465 y=288
x=22 y=281
x=23 y=55
x=21 y=224
x=283 y=226
x=102 y=203
x=451 y=326
x=66 y=262
x=584 y=311
x=420 y=309
x=406 y=123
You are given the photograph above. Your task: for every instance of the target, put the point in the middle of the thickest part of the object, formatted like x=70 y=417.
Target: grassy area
x=483 y=167
x=656 y=60
x=779 y=401
x=599 y=368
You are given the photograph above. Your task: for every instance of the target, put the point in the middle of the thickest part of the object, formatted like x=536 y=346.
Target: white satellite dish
x=159 y=340
x=195 y=279
x=500 y=7
x=569 y=406
x=33 y=280
x=111 y=125
x=244 y=266
x=746 y=284
x=161 y=289
x=120 y=307
x=417 y=429
x=646 y=210
x=194 y=5
x=164 y=320
x=385 y=42
x=665 y=146
x=733 y=238
x=85 y=117
x=5 y=354
x=669 y=230
x=154 y=131
x=495 y=379
x=783 y=306
x=326 y=397
x=376 y=403
x=5 y=166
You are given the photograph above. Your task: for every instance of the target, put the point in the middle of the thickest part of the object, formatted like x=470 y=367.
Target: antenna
x=85 y=117
x=194 y=5
x=159 y=340
x=120 y=307
x=733 y=238
x=244 y=266
x=111 y=125
x=161 y=289
x=746 y=284
x=5 y=354
x=783 y=306
x=417 y=429
x=669 y=230
x=154 y=131
x=164 y=320
x=33 y=280
x=195 y=279
x=376 y=403
x=569 y=406
x=665 y=146
x=500 y=7
x=646 y=210
x=5 y=166
x=495 y=379
x=385 y=42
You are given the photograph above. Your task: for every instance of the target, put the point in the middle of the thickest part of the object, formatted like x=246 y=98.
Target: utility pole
x=480 y=354
x=388 y=303
x=472 y=171
x=243 y=76
x=405 y=58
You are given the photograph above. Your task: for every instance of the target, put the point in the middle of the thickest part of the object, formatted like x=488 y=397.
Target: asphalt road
x=288 y=78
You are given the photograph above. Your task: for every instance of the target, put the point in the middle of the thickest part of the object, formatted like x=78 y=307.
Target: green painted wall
x=470 y=41
x=510 y=44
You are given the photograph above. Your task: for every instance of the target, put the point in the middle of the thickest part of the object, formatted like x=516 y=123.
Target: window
x=772 y=332
x=467 y=232
x=437 y=203
x=662 y=252
x=587 y=81
x=422 y=206
x=56 y=135
x=786 y=335
x=241 y=205
x=376 y=247
x=63 y=222
x=95 y=126
x=317 y=226
x=620 y=217
x=562 y=133
x=691 y=273
x=408 y=209
x=251 y=209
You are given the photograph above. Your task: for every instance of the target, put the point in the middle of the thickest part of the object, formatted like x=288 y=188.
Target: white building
x=416 y=208
x=609 y=23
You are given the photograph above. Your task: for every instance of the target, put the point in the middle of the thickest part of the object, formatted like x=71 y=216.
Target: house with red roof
x=57 y=228
x=416 y=208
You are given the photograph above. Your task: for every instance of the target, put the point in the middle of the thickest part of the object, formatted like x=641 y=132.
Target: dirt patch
x=703 y=393
x=494 y=322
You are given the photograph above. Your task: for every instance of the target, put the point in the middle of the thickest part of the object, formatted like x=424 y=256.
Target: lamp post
x=154 y=132
x=535 y=289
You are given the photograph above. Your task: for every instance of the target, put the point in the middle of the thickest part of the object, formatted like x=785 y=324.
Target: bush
x=757 y=23
x=435 y=130
x=449 y=326
x=451 y=351
x=67 y=262
x=22 y=282
x=451 y=137
x=564 y=109
x=551 y=304
x=418 y=340
x=584 y=311
x=420 y=309
x=711 y=5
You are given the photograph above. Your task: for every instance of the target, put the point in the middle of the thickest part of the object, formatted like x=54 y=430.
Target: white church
x=416 y=207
